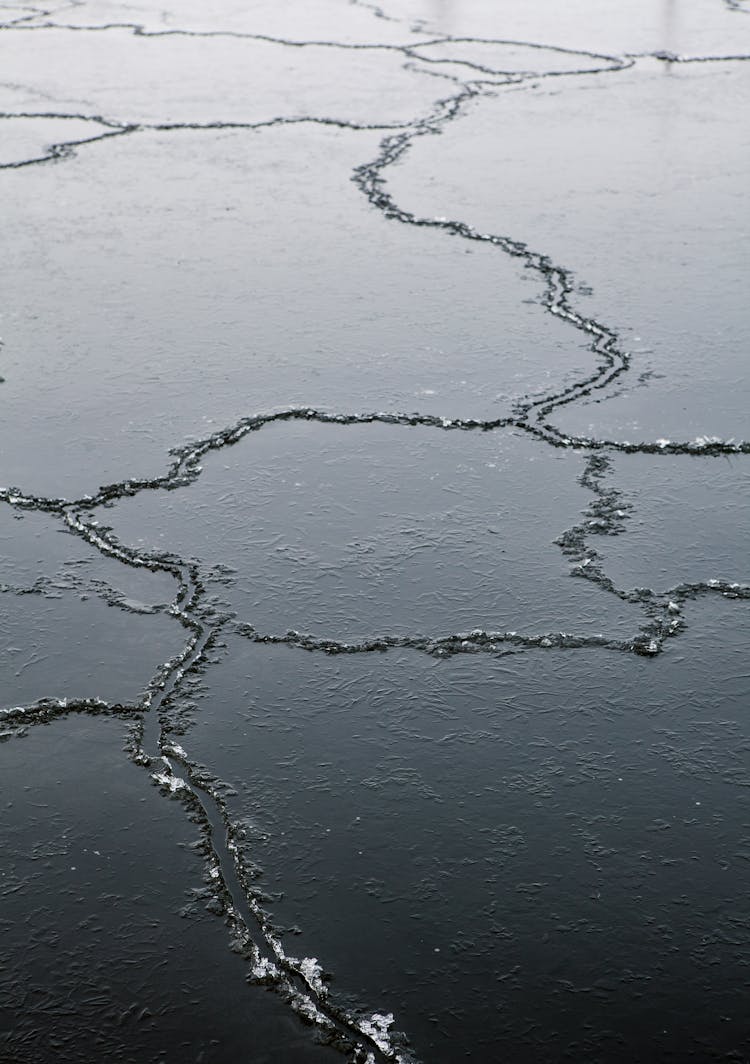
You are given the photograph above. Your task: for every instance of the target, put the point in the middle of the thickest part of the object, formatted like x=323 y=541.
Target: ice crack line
x=409 y=48
x=607 y=516
x=613 y=361
x=65 y=149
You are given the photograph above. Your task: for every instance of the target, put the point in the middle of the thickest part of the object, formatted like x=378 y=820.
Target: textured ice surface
x=678 y=531
x=39 y=549
x=80 y=648
x=68 y=617
x=107 y=948
x=375 y=530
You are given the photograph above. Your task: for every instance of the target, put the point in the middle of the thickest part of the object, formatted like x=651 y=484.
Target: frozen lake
x=374 y=583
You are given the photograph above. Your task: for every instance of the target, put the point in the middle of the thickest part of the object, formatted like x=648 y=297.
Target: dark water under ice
x=373 y=533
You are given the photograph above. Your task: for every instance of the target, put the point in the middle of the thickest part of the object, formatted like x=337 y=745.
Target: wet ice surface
x=372 y=321
x=372 y=561
x=645 y=219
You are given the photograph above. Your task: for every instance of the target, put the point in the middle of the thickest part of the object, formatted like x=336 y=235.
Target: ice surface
x=401 y=347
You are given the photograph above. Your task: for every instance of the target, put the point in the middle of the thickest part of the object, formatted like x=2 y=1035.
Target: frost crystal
x=174 y=783
x=313 y=974
x=265 y=969
x=377 y=1029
